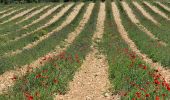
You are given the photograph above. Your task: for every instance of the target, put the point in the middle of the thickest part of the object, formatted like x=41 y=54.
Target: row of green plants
x=18 y=33
x=9 y=25
x=144 y=43
x=12 y=27
x=164 y=23
x=39 y=50
x=35 y=36
x=18 y=10
x=157 y=30
x=53 y=78
x=130 y=77
x=161 y=8
x=6 y=9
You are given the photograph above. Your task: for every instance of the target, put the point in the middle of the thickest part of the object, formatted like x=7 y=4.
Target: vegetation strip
x=66 y=22
x=43 y=16
x=18 y=15
x=162 y=5
x=1 y=12
x=146 y=14
x=10 y=13
x=92 y=88
x=137 y=22
x=29 y=37
x=157 y=10
x=33 y=14
x=137 y=81
x=4 y=84
x=28 y=33
x=132 y=45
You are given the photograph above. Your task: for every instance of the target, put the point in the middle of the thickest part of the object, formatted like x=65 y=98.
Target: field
x=112 y=50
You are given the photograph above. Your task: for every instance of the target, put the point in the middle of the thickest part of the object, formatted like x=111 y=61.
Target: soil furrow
x=146 y=14
x=164 y=72
x=5 y=79
x=5 y=10
x=19 y=15
x=91 y=81
x=164 y=6
x=137 y=22
x=66 y=22
x=33 y=14
x=156 y=10
x=43 y=16
x=10 y=13
x=43 y=26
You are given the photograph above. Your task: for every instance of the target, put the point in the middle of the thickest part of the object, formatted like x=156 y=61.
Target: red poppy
x=55 y=81
x=168 y=88
x=156 y=82
x=157 y=98
x=147 y=95
x=38 y=76
x=138 y=94
x=144 y=67
x=28 y=96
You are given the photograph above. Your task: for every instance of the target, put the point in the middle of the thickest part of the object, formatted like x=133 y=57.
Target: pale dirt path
x=55 y=18
x=10 y=13
x=33 y=14
x=156 y=10
x=5 y=10
x=146 y=14
x=133 y=18
x=91 y=81
x=5 y=79
x=164 y=6
x=18 y=15
x=164 y=72
x=43 y=16
x=66 y=22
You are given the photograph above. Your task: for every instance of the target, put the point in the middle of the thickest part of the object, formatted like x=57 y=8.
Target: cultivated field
x=112 y=50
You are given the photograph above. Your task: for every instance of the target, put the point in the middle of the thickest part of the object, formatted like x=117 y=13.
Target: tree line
x=37 y=1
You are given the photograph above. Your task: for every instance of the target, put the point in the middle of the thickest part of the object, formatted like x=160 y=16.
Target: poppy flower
x=55 y=81
x=157 y=98
x=168 y=88
x=138 y=94
x=147 y=95
x=38 y=76
x=28 y=96
x=144 y=67
x=156 y=82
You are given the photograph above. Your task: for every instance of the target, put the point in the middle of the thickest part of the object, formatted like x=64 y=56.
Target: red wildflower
x=168 y=88
x=76 y=56
x=28 y=96
x=133 y=99
x=147 y=95
x=144 y=67
x=55 y=81
x=157 y=98
x=138 y=94
x=38 y=76
x=163 y=95
x=156 y=82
